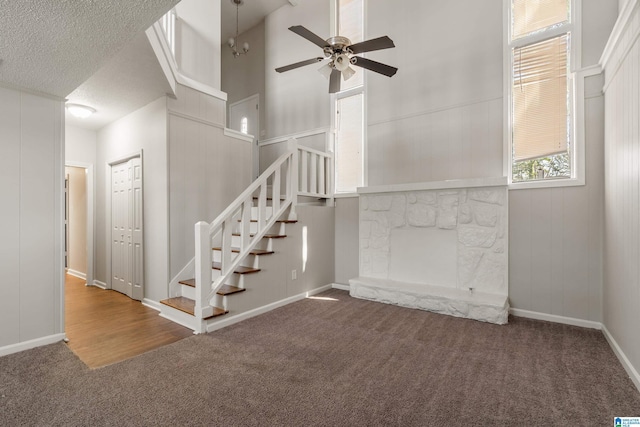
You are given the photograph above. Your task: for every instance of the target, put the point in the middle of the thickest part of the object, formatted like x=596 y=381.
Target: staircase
x=226 y=270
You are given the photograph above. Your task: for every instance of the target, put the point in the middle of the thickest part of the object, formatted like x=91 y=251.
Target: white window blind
x=349 y=143
x=540 y=99
x=530 y=16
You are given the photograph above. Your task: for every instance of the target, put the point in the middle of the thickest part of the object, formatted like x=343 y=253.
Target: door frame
x=255 y=146
x=107 y=213
x=90 y=274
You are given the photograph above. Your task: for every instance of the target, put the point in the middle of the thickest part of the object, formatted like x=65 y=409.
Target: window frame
x=354 y=91
x=576 y=96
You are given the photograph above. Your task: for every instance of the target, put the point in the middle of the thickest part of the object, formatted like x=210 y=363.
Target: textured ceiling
x=53 y=46
x=130 y=80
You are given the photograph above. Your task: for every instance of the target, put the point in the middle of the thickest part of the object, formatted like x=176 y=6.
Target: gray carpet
x=334 y=362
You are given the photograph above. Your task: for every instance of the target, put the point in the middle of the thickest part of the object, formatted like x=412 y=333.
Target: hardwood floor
x=106 y=327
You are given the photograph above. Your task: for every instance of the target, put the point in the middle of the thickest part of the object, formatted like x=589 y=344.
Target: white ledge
x=437 y=185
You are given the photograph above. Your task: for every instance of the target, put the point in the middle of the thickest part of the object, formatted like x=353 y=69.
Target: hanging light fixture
x=233 y=42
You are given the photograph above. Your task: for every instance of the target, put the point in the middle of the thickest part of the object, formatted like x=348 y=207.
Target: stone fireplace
x=437 y=246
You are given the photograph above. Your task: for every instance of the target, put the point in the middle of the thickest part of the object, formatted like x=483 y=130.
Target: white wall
x=31 y=187
x=77 y=220
x=80 y=145
x=207 y=170
x=441 y=117
x=144 y=129
x=622 y=189
x=297 y=100
x=198 y=40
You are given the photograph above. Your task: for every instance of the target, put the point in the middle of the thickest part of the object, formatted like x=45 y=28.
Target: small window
x=244 y=125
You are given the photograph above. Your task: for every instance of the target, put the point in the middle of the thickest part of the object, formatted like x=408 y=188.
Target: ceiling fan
x=341 y=53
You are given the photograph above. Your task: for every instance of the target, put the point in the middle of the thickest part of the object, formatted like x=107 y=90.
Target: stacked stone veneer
x=479 y=217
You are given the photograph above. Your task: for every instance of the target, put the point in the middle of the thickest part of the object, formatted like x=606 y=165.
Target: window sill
x=547 y=183
x=345 y=195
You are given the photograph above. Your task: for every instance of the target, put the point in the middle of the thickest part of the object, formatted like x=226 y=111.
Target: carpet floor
x=334 y=360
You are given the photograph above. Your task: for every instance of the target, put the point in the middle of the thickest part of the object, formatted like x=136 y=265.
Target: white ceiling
x=95 y=52
x=53 y=46
x=250 y=14
x=130 y=80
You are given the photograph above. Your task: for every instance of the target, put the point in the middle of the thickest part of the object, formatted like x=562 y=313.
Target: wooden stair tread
x=188 y=305
x=253 y=252
x=224 y=289
x=239 y=270
x=282 y=198
x=188 y=282
x=280 y=221
x=266 y=236
x=229 y=290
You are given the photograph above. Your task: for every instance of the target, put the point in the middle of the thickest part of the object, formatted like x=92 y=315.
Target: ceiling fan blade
x=334 y=81
x=298 y=64
x=378 y=67
x=313 y=38
x=371 y=45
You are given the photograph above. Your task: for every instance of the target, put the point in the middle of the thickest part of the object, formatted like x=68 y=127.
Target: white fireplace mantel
x=437 y=246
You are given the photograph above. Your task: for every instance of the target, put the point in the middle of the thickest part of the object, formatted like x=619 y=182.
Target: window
x=244 y=125
x=540 y=83
x=349 y=106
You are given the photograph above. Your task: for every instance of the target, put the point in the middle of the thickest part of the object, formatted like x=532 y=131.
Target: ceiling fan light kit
x=340 y=52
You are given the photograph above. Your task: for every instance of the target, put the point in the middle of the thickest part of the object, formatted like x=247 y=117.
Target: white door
x=126 y=230
x=244 y=116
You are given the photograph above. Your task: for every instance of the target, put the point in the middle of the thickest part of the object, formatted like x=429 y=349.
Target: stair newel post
x=202 y=307
x=225 y=253
x=293 y=178
x=331 y=179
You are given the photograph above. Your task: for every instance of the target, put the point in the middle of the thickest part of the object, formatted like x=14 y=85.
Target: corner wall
x=31 y=187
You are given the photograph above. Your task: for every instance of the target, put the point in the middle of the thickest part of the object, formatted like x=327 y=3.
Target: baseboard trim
x=77 y=274
x=100 y=284
x=341 y=287
x=626 y=364
x=557 y=319
x=152 y=304
x=27 y=345
x=223 y=323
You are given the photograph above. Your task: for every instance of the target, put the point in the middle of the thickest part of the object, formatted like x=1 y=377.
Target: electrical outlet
x=294 y=274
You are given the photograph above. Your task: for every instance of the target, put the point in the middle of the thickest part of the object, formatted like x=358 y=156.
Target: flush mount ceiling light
x=80 y=111
x=233 y=42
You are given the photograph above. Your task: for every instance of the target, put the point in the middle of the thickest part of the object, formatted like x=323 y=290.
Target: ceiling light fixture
x=233 y=42
x=80 y=111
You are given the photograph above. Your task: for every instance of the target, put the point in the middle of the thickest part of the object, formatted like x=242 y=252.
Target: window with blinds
x=348 y=120
x=349 y=143
x=540 y=115
x=540 y=97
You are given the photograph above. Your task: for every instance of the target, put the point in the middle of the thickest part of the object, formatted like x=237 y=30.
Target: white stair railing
x=315 y=178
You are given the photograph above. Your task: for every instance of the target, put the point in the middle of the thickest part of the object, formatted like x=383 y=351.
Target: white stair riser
x=254 y=212
x=188 y=292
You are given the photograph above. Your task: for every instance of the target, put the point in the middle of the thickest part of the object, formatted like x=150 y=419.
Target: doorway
x=126 y=228
x=78 y=232
x=244 y=116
